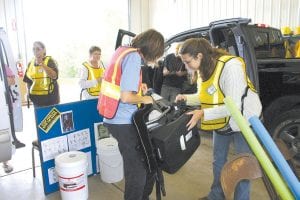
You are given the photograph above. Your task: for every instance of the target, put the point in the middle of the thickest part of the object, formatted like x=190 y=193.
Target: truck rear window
x=267 y=42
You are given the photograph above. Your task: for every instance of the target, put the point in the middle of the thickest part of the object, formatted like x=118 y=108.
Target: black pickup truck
x=276 y=78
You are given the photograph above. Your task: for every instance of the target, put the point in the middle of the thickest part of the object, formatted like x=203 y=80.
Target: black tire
x=279 y=106
x=286 y=126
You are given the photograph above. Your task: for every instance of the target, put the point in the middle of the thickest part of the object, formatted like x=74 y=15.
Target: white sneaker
x=7 y=168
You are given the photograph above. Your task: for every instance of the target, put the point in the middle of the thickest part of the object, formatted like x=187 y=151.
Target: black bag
x=174 y=144
x=167 y=136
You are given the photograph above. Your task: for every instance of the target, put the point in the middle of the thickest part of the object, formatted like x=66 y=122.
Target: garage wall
x=2 y=14
x=138 y=15
x=186 y=14
x=196 y=13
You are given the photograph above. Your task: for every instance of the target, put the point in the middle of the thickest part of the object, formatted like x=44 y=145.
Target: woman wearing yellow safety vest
x=41 y=77
x=221 y=75
x=118 y=100
x=90 y=75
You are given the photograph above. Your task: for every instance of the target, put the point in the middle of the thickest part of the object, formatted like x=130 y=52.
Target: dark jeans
x=138 y=182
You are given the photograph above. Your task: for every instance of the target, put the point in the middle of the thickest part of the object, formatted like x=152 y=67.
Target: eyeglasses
x=37 y=49
x=187 y=61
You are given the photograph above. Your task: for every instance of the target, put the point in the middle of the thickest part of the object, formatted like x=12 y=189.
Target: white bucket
x=110 y=160
x=71 y=170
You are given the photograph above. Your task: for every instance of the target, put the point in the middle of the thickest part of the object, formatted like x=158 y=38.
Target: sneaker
x=18 y=144
x=7 y=168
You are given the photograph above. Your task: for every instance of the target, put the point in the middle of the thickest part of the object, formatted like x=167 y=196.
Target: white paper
x=79 y=140
x=52 y=176
x=54 y=147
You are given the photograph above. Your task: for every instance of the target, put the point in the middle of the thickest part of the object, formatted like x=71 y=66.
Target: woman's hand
x=180 y=73
x=180 y=97
x=99 y=80
x=197 y=115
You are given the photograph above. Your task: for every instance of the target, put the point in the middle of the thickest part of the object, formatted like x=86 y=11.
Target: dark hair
x=41 y=44
x=93 y=49
x=194 y=46
x=150 y=43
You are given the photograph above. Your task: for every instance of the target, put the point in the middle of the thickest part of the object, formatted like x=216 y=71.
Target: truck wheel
x=286 y=127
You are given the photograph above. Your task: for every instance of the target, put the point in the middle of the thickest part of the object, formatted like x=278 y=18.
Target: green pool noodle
x=276 y=180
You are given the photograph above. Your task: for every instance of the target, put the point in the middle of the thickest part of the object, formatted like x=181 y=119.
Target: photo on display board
x=100 y=131
x=66 y=122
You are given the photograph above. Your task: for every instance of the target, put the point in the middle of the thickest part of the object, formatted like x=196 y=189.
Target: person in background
x=153 y=77
x=174 y=74
x=90 y=75
x=221 y=75
x=190 y=84
x=11 y=81
x=120 y=94
x=147 y=74
x=41 y=77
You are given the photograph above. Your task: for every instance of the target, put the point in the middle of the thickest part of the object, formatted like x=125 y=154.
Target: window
x=69 y=28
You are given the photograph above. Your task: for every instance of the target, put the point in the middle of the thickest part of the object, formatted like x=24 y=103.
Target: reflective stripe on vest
x=93 y=74
x=297 y=49
x=110 y=93
x=42 y=84
x=288 y=49
x=211 y=94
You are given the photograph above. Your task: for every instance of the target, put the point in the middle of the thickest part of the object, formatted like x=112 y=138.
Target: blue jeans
x=220 y=152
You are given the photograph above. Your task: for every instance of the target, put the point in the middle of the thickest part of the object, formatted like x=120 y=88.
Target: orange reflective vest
x=109 y=97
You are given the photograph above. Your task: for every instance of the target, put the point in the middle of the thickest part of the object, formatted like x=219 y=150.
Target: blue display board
x=66 y=127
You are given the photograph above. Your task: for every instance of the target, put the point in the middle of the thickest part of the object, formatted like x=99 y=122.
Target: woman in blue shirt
x=148 y=47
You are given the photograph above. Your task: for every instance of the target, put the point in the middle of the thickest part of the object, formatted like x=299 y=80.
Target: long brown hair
x=194 y=46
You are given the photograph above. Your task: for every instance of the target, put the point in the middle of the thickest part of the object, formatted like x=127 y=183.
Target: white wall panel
x=139 y=15
x=2 y=15
x=237 y=9
x=12 y=24
x=196 y=13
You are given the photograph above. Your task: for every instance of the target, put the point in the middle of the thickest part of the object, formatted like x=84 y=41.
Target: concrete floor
x=192 y=181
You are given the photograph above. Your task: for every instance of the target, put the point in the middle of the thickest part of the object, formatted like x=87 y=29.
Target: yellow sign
x=47 y=123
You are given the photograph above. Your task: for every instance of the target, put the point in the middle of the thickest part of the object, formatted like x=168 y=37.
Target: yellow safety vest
x=211 y=94
x=42 y=84
x=288 y=49
x=297 y=49
x=94 y=74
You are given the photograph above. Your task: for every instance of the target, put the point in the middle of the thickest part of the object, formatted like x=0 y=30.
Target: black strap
x=227 y=130
x=158 y=194
x=159 y=183
x=11 y=95
x=243 y=97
